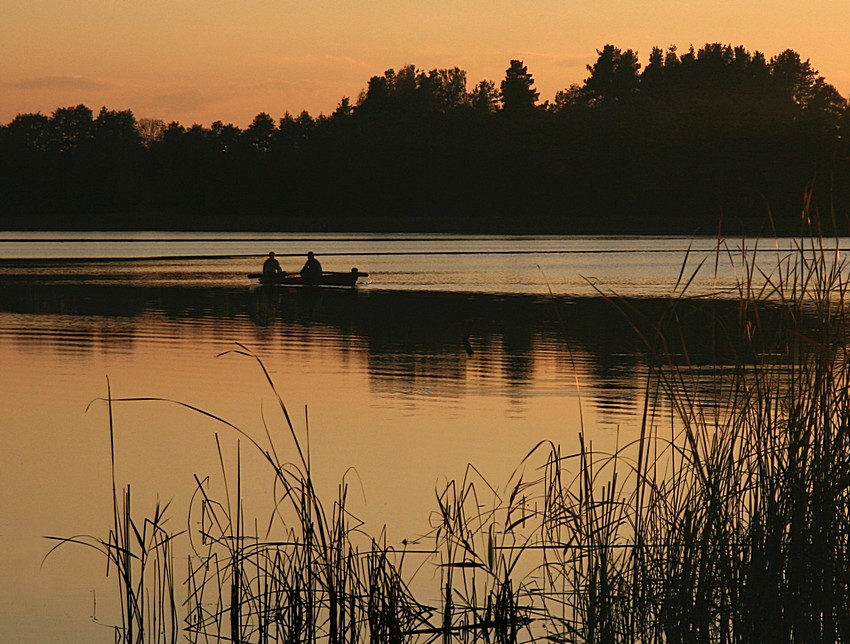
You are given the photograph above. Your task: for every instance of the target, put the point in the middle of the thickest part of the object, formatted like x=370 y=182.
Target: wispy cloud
x=182 y=102
x=299 y=85
x=571 y=61
x=53 y=83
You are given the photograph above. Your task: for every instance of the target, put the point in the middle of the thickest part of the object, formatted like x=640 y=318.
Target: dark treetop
x=675 y=146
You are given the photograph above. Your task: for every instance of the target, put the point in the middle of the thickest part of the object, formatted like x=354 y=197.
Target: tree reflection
x=415 y=343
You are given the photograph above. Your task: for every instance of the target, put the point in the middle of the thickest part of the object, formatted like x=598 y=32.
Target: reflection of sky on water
x=430 y=348
x=629 y=266
x=442 y=360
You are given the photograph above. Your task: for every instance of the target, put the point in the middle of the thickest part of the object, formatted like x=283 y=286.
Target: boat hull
x=328 y=278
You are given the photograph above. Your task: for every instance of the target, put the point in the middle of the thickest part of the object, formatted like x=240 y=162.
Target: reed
x=745 y=513
x=140 y=552
x=305 y=578
x=724 y=518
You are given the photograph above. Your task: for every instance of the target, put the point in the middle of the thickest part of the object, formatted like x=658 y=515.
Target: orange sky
x=197 y=61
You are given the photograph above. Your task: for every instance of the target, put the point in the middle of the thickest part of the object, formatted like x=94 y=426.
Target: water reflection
x=405 y=386
x=423 y=344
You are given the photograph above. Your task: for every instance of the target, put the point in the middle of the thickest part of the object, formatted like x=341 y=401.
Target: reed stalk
x=725 y=518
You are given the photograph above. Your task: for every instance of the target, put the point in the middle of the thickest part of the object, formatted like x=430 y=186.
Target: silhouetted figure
x=271 y=266
x=312 y=269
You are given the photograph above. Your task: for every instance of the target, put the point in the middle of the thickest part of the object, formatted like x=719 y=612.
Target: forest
x=685 y=143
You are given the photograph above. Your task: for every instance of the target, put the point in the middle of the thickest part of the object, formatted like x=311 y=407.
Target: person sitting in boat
x=271 y=266
x=312 y=269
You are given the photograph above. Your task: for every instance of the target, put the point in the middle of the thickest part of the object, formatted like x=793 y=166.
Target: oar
x=255 y=276
x=353 y=270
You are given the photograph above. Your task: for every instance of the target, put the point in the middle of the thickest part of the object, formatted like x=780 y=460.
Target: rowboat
x=328 y=278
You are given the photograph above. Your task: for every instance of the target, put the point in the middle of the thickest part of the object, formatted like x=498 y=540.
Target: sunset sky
x=197 y=61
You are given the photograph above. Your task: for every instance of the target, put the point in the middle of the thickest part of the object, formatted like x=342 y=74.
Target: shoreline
x=385 y=224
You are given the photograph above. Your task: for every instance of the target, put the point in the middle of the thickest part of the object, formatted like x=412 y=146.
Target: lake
x=455 y=350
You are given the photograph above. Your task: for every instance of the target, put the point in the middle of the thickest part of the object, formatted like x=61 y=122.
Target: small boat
x=328 y=278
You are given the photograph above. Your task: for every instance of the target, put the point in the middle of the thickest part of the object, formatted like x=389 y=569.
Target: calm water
x=566 y=265
x=455 y=350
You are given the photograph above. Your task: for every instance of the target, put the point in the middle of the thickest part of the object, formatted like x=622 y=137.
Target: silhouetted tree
x=484 y=97
x=261 y=132
x=404 y=83
x=116 y=130
x=28 y=133
x=565 y=98
x=173 y=133
x=150 y=130
x=453 y=92
x=792 y=79
x=844 y=130
x=518 y=93
x=614 y=75
x=376 y=96
x=344 y=108
x=715 y=129
x=428 y=93
x=823 y=113
x=225 y=138
x=293 y=132
x=394 y=92
x=826 y=100
x=411 y=91
x=713 y=62
x=70 y=127
x=653 y=76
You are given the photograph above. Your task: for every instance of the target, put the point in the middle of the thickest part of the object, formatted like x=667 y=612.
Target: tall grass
x=724 y=518
x=743 y=511
x=141 y=554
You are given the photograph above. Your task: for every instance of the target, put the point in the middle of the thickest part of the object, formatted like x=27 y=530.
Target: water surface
x=455 y=350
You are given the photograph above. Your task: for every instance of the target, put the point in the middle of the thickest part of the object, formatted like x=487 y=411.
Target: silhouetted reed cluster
x=724 y=518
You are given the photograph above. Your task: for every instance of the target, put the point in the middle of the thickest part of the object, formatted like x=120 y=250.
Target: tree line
x=687 y=139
